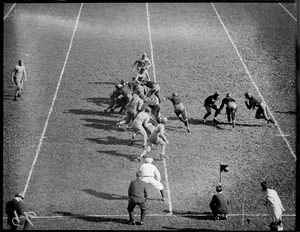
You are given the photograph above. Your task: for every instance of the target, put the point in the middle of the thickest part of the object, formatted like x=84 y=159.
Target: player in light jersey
x=17 y=76
x=139 y=124
x=143 y=75
x=143 y=62
x=157 y=137
x=132 y=108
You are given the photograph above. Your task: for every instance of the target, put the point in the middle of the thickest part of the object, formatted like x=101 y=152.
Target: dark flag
x=223 y=168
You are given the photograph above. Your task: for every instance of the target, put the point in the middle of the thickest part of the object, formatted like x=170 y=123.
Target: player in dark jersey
x=261 y=111
x=154 y=89
x=210 y=103
x=179 y=109
x=231 y=108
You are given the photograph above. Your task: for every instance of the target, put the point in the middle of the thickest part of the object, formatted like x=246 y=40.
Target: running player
x=231 y=108
x=143 y=62
x=210 y=103
x=179 y=109
x=261 y=111
x=154 y=89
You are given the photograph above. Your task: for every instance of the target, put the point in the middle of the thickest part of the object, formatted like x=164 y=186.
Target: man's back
x=221 y=201
x=137 y=188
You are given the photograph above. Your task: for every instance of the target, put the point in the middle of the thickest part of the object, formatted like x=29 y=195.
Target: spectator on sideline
x=210 y=103
x=219 y=204
x=143 y=62
x=17 y=76
x=274 y=205
x=137 y=193
x=261 y=111
x=179 y=109
x=149 y=171
x=16 y=208
x=158 y=136
x=231 y=108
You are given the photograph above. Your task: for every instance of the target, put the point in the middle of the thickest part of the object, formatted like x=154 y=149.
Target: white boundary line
x=53 y=101
x=154 y=215
x=246 y=69
x=151 y=48
x=164 y=161
x=9 y=11
x=287 y=12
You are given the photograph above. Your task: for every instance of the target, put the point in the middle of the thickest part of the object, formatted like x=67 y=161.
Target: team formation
x=139 y=100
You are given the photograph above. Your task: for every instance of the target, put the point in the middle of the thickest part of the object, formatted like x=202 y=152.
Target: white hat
x=149 y=160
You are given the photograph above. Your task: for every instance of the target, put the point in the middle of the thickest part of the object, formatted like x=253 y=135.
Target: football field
x=65 y=153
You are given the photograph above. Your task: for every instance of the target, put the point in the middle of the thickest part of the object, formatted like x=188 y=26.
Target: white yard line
x=9 y=11
x=151 y=47
x=154 y=215
x=53 y=101
x=252 y=80
x=288 y=11
x=164 y=161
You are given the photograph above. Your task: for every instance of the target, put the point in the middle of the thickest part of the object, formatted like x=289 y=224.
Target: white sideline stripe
x=53 y=101
x=164 y=161
x=155 y=215
x=288 y=12
x=151 y=48
x=9 y=11
x=278 y=127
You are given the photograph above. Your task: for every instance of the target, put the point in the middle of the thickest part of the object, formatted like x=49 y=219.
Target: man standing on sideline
x=219 y=204
x=210 y=103
x=137 y=193
x=179 y=109
x=149 y=171
x=17 y=76
x=261 y=111
x=16 y=210
x=231 y=108
x=273 y=204
x=143 y=62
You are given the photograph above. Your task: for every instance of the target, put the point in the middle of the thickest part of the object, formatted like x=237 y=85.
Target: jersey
x=18 y=71
x=149 y=170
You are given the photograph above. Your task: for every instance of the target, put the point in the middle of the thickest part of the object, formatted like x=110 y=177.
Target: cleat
x=204 y=120
x=139 y=159
x=216 y=218
x=188 y=129
x=215 y=120
x=132 y=223
x=16 y=99
x=226 y=217
x=163 y=199
x=142 y=223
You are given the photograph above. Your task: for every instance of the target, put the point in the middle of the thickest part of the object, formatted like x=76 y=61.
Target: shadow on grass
x=93 y=218
x=99 y=101
x=103 y=83
x=215 y=124
x=106 y=196
x=101 y=124
x=116 y=153
x=193 y=215
x=110 y=140
x=285 y=112
x=185 y=229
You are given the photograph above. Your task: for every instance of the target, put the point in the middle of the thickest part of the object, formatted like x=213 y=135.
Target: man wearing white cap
x=16 y=208
x=274 y=205
x=149 y=171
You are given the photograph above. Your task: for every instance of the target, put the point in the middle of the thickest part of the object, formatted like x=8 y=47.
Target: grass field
x=75 y=167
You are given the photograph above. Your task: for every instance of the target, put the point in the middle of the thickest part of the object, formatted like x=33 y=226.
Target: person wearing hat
x=179 y=109
x=219 y=204
x=143 y=62
x=149 y=172
x=157 y=137
x=16 y=208
x=274 y=205
x=210 y=103
x=261 y=111
x=231 y=108
x=138 y=194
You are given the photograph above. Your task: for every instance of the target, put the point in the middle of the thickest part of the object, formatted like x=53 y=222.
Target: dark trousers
x=141 y=202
